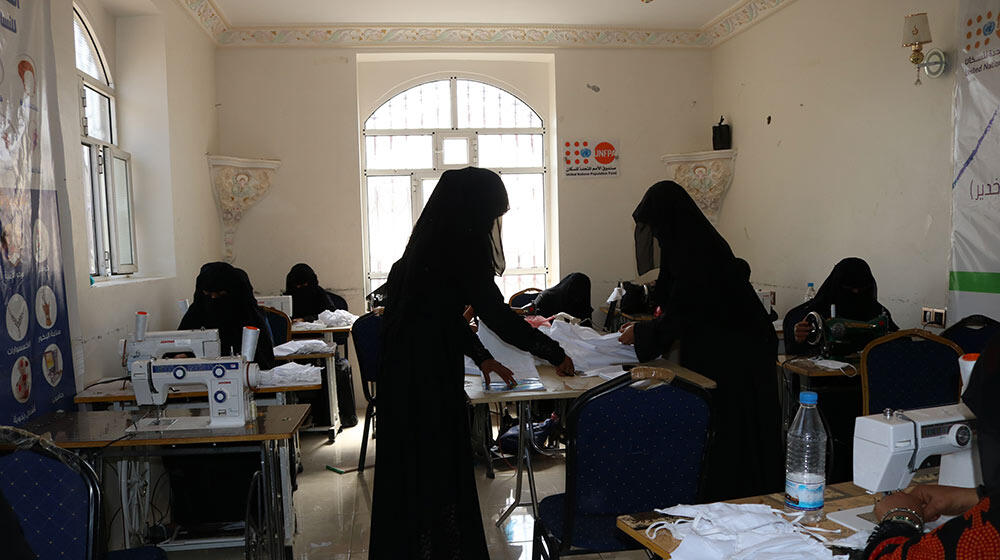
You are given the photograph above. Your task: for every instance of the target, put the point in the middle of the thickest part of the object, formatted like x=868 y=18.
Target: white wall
x=856 y=160
x=169 y=124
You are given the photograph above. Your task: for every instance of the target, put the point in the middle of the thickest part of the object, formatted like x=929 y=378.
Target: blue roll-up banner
x=36 y=354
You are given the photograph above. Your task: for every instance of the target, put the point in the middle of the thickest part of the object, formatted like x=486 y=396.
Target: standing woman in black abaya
x=425 y=504
x=724 y=333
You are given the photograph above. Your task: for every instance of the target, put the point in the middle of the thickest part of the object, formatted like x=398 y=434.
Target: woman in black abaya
x=851 y=288
x=425 y=504
x=708 y=304
x=308 y=298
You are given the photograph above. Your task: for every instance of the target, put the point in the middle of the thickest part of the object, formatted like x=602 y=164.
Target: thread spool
x=141 y=318
x=249 y=347
x=965 y=365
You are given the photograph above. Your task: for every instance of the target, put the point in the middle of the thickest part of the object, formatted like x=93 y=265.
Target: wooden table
x=556 y=387
x=103 y=434
x=844 y=495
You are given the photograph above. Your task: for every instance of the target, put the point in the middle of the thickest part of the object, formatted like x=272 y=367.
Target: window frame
x=102 y=222
x=439 y=135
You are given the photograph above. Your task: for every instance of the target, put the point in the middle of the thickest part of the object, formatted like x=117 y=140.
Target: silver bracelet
x=911 y=517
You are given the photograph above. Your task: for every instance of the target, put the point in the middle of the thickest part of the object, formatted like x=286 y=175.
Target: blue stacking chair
x=524 y=297
x=368 y=346
x=56 y=497
x=631 y=448
x=279 y=325
x=909 y=369
x=972 y=333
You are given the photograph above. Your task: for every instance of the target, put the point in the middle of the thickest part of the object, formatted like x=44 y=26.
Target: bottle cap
x=808 y=397
x=809 y=285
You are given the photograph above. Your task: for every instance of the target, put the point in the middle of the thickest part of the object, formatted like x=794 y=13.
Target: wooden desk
x=121 y=392
x=269 y=434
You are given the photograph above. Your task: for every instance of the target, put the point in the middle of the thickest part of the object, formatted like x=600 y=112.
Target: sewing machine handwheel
x=815 y=321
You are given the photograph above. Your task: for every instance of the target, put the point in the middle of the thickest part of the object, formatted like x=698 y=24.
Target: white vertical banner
x=974 y=283
x=36 y=356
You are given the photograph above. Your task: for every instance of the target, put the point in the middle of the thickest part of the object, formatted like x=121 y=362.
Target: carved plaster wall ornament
x=237 y=185
x=706 y=176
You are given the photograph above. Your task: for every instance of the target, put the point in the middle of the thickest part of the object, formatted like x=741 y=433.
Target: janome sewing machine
x=840 y=336
x=890 y=447
x=142 y=345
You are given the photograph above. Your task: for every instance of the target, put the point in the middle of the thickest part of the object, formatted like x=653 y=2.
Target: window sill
x=106 y=282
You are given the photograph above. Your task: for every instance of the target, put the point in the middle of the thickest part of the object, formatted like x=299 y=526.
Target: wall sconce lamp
x=917 y=32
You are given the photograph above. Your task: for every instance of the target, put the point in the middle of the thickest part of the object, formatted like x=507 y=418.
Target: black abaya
x=851 y=288
x=308 y=298
x=724 y=333
x=425 y=504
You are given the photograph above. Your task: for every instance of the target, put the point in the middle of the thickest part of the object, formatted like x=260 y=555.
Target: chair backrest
x=55 y=495
x=633 y=447
x=279 y=323
x=972 y=333
x=524 y=297
x=909 y=369
x=368 y=345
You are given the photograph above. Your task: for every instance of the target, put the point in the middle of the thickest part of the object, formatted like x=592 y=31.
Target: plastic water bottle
x=810 y=292
x=805 y=461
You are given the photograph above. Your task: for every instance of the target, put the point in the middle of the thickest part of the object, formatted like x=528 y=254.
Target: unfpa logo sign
x=605 y=153
x=589 y=157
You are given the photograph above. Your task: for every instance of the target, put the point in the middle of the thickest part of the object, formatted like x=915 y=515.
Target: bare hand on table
x=566 y=368
x=899 y=500
x=492 y=366
x=628 y=334
x=802 y=330
x=944 y=500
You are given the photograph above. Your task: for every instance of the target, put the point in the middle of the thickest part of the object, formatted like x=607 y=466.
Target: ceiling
x=658 y=14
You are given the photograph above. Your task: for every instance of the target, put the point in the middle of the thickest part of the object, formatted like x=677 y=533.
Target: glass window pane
x=510 y=150
x=510 y=284
x=427 y=186
x=455 y=151
x=524 y=224
x=389 y=221
x=88 y=202
x=88 y=60
x=424 y=106
x=484 y=106
x=98 y=114
x=123 y=212
x=399 y=152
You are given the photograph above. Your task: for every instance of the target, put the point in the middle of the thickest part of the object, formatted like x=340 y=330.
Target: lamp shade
x=916 y=30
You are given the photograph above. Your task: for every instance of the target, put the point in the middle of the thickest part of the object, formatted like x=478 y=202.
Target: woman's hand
x=802 y=330
x=492 y=366
x=566 y=368
x=944 y=500
x=899 y=500
x=628 y=334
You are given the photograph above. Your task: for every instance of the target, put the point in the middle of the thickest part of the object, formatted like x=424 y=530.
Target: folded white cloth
x=307 y=346
x=723 y=531
x=307 y=326
x=338 y=318
x=291 y=374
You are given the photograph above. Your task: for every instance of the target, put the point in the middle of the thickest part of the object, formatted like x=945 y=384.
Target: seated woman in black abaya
x=425 y=504
x=707 y=301
x=851 y=288
x=308 y=298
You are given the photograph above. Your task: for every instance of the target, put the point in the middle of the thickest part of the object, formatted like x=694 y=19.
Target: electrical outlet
x=932 y=317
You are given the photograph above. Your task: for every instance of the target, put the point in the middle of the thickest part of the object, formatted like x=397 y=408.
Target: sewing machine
x=890 y=447
x=228 y=381
x=841 y=336
x=202 y=343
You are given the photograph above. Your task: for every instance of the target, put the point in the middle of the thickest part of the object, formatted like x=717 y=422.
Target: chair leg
x=364 y=437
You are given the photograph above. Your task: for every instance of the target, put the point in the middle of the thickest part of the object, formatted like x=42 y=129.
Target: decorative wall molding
x=237 y=185
x=735 y=20
x=706 y=176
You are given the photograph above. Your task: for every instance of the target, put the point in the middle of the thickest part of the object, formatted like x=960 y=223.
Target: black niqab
x=571 y=295
x=982 y=397
x=308 y=298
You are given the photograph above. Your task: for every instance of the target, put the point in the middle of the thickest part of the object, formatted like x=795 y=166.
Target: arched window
x=447 y=124
x=107 y=170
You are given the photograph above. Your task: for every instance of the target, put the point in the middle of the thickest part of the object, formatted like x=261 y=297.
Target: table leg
x=523 y=463
x=331 y=386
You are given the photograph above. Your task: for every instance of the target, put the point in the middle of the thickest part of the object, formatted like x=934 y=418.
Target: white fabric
x=588 y=348
x=307 y=326
x=307 y=346
x=616 y=295
x=722 y=531
x=338 y=318
x=517 y=360
x=606 y=373
x=291 y=374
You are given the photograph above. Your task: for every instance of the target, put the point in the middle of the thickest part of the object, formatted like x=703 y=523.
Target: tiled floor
x=333 y=510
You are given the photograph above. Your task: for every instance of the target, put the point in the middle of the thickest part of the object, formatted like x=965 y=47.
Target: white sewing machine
x=890 y=447
x=228 y=381
x=202 y=343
